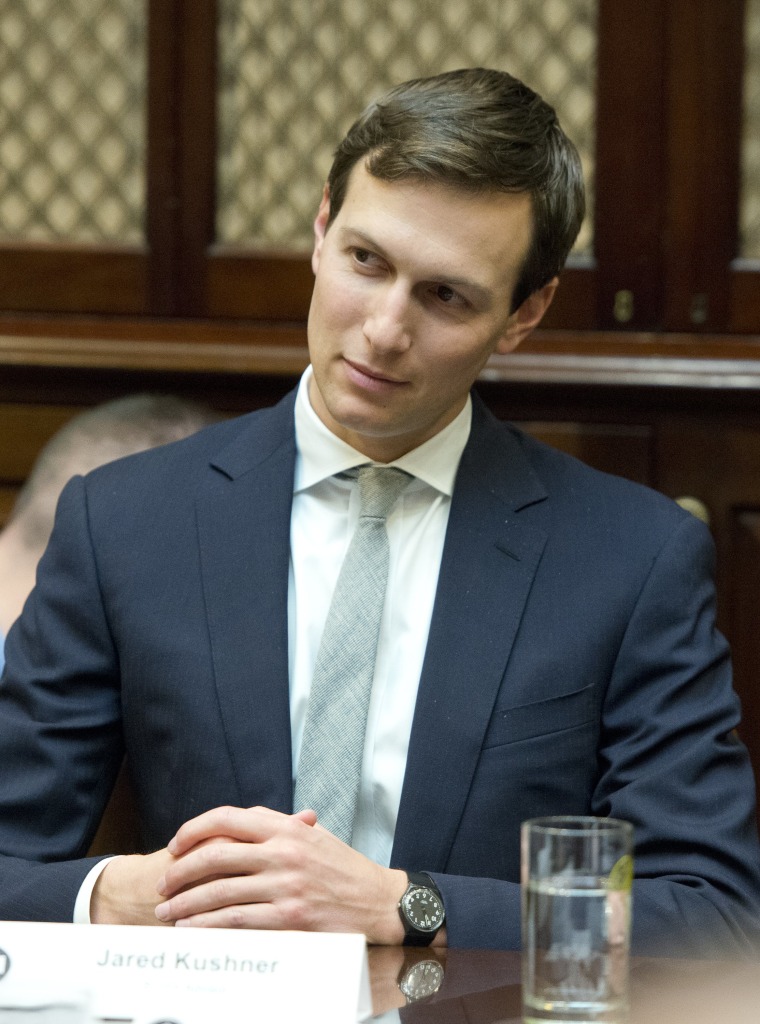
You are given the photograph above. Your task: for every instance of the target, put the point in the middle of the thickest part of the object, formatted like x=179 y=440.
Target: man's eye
x=362 y=255
x=445 y=294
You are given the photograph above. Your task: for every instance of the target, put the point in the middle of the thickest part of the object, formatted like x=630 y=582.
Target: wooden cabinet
x=672 y=115
x=717 y=460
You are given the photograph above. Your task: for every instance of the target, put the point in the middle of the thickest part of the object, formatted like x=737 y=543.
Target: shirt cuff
x=82 y=905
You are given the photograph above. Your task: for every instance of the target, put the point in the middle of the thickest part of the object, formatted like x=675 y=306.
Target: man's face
x=412 y=295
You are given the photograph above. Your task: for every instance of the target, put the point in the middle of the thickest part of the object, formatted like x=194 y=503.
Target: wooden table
x=483 y=987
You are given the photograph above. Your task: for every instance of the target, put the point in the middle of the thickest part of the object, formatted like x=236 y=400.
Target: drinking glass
x=576 y=917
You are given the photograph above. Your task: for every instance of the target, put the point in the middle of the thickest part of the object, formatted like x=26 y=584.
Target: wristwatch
x=421 y=910
x=421 y=980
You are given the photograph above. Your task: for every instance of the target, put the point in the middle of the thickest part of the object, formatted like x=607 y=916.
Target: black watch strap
x=421 y=910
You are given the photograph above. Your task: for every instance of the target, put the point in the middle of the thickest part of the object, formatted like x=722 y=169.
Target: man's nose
x=387 y=325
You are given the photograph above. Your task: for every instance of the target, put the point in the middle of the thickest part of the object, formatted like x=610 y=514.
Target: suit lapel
x=488 y=565
x=243 y=514
x=489 y=562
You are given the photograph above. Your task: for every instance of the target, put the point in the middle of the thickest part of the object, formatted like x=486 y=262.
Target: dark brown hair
x=480 y=130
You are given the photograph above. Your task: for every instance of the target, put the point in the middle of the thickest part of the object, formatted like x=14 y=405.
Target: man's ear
x=527 y=316
x=320 y=227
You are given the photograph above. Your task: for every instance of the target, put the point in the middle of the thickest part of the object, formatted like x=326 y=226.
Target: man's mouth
x=370 y=378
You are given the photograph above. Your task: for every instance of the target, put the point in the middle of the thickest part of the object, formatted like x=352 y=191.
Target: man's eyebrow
x=350 y=234
x=479 y=291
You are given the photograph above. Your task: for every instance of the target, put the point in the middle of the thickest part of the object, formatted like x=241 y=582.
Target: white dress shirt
x=324 y=516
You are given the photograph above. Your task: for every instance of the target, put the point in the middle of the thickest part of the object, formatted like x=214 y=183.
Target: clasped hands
x=235 y=867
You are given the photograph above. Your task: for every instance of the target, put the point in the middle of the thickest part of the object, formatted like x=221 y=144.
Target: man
x=99 y=435
x=547 y=643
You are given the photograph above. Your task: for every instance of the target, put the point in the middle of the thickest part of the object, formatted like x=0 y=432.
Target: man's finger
x=246 y=824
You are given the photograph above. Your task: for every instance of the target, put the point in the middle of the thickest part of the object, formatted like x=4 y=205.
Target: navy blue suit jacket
x=572 y=667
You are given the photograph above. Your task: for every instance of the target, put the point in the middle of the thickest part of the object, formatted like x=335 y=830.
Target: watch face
x=421 y=980
x=423 y=908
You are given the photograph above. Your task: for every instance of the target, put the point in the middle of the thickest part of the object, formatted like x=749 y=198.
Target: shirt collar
x=320 y=454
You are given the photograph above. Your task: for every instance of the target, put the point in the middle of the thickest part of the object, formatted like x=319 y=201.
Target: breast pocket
x=557 y=714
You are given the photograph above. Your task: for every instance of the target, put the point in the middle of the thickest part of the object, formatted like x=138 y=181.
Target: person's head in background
x=99 y=435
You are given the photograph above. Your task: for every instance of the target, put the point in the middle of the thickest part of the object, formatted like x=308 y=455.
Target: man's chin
x=380 y=440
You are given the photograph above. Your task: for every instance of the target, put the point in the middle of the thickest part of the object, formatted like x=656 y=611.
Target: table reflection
x=483 y=987
x=475 y=985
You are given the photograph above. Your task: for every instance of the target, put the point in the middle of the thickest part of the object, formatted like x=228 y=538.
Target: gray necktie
x=330 y=761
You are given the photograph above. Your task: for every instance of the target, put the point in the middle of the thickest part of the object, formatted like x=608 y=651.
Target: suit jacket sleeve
x=61 y=677
x=669 y=762
x=127 y=645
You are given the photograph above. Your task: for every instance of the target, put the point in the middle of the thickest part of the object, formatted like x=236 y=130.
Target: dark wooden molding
x=702 y=184
x=630 y=163
x=197 y=131
x=600 y=359
x=62 y=279
x=163 y=150
x=259 y=287
x=745 y=296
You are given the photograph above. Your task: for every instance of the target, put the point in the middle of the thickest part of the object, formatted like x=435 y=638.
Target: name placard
x=143 y=975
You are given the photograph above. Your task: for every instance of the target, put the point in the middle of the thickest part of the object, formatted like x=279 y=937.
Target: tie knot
x=379 y=489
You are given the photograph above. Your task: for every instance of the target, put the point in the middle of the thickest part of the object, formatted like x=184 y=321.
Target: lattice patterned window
x=750 y=206
x=294 y=76
x=72 y=120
